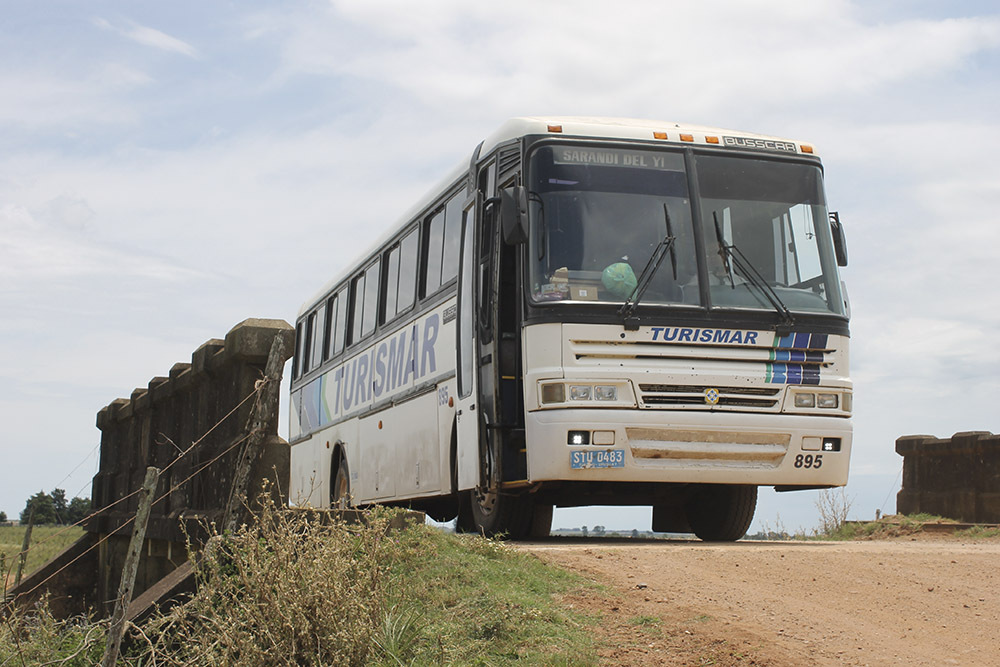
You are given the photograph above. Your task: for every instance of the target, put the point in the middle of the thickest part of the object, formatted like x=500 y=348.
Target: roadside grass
x=34 y=637
x=320 y=592
x=645 y=620
x=978 y=533
x=482 y=602
x=893 y=525
x=46 y=542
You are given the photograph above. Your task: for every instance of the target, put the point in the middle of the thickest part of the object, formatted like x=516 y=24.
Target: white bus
x=588 y=311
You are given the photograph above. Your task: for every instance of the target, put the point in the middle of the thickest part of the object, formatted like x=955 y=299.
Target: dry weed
x=293 y=588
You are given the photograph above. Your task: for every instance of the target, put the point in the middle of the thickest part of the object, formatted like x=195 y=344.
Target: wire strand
x=258 y=387
x=891 y=489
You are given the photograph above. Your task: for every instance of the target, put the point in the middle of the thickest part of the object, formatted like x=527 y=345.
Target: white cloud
x=694 y=59
x=36 y=254
x=147 y=36
x=46 y=99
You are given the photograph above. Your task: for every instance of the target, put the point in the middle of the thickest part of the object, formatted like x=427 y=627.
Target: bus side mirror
x=839 y=241
x=514 y=214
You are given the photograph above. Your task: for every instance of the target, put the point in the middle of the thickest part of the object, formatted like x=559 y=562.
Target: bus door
x=477 y=454
x=467 y=417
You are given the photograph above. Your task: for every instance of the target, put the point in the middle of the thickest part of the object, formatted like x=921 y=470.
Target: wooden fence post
x=267 y=411
x=23 y=557
x=131 y=566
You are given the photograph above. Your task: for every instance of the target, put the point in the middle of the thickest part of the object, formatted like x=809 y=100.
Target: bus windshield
x=598 y=214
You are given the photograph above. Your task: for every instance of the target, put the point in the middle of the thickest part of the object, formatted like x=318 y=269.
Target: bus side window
x=390 y=267
x=331 y=326
x=307 y=347
x=433 y=240
x=371 y=299
x=357 y=308
x=407 y=270
x=452 y=237
x=338 y=324
x=327 y=328
x=316 y=326
x=297 y=358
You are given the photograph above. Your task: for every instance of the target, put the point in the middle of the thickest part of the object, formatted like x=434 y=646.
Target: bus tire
x=340 y=492
x=499 y=515
x=541 y=522
x=722 y=512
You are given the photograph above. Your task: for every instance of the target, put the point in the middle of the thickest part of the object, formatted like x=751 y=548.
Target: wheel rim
x=486 y=500
x=341 y=489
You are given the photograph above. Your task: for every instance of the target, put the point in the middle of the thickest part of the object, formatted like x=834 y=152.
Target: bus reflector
x=603 y=438
x=553 y=393
x=659 y=135
x=555 y=128
x=687 y=137
x=711 y=140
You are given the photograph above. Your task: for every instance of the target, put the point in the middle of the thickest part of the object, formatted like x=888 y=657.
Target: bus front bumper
x=697 y=447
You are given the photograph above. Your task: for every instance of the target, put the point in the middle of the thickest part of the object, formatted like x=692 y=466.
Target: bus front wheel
x=721 y=512
x=492 y=514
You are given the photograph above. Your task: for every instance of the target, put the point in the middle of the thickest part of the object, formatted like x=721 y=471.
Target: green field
x=46 y=542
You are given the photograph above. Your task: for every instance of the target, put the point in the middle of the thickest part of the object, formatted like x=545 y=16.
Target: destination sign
x=618 y=158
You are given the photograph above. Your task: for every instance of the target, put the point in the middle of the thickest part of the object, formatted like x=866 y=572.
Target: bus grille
x=693 y=396
x=755 y=375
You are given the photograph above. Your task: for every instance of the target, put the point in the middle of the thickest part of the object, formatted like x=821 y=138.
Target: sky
x=168 y=170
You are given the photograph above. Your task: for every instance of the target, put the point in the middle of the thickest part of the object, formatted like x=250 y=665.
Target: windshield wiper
x=734 y=257
x=535 y=197
x=652 y=266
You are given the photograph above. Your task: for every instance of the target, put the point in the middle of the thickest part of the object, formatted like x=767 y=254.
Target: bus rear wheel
x=721 y=512
x=340 y=493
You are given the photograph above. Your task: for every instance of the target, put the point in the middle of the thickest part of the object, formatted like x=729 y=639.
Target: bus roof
x=637 y=129
x=668 y=132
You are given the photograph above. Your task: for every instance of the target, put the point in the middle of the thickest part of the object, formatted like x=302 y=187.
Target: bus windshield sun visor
x=734 y=257
x=665 y=245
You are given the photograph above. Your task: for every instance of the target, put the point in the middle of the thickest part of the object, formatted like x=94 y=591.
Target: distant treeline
x=53 y=508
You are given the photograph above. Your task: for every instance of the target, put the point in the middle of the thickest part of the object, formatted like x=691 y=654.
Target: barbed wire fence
x=260 y=423
x=104 y=510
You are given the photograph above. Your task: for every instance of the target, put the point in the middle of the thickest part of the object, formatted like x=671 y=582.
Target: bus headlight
x=828 y=400
x=605 y=392
x=553 y=393
x=804 y=400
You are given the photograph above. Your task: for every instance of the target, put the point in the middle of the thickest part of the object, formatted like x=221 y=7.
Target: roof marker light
x=659 y=135
x=806 y=148
x=555 y=128
x=711 y=140
x=687 y=137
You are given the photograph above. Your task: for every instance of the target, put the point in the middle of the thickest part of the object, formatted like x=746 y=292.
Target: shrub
x=833 y=506
x=293 y=588
x=35 y=637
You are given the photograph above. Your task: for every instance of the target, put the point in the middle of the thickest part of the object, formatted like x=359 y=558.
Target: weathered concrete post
x=24 y=548
x=131 y=567
x=956 y=477
x=266 y=414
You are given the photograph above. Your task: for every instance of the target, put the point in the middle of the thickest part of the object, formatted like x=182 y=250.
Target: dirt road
x=896 y=602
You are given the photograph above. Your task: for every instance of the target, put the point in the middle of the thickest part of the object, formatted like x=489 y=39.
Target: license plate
x=601 y=458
